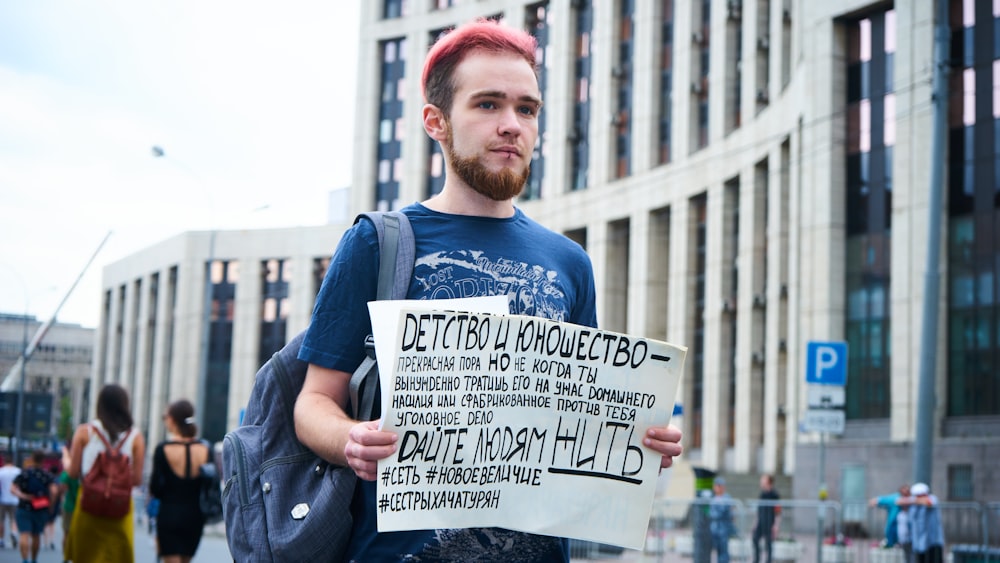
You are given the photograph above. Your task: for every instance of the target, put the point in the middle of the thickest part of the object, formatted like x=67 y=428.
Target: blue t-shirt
x=542 y=272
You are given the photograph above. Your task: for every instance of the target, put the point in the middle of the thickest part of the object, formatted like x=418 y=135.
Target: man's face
x=493 y=123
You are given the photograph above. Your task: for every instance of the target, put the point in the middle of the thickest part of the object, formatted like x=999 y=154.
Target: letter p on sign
x=826 y=363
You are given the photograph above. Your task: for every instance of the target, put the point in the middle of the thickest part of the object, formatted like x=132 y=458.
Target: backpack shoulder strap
x=396 y=255
x=396 y=252
x=121 y=441
x=96 y=430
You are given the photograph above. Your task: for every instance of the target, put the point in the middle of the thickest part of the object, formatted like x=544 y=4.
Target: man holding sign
x=483 y=100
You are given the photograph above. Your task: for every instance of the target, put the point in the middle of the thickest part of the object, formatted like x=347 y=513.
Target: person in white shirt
x=8 y=502
x=926 y=531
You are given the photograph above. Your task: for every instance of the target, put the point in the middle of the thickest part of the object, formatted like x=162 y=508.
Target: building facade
x=254 y=290
x=58 y=373
x=747 y=177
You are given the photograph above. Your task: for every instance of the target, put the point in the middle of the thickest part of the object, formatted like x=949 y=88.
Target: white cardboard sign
x=520 y=422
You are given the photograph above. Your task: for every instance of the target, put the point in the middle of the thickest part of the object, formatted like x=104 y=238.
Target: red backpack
x=106 y=489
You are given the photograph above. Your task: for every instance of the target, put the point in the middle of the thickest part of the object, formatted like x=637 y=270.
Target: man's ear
x=435 y=122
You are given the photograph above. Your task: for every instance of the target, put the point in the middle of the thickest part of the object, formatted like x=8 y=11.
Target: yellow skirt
x=93 y=539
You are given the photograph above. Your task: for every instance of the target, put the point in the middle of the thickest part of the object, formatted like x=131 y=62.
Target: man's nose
x=510 y=123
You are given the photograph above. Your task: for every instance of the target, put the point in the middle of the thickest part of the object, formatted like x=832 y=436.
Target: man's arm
x=322 y=424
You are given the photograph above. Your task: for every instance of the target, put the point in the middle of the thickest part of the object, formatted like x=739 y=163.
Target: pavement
x=213 y=548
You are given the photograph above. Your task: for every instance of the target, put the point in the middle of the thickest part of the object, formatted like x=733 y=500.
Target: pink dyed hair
x=486 y=35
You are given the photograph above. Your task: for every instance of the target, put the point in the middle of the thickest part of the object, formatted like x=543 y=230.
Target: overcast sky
x=252 y=103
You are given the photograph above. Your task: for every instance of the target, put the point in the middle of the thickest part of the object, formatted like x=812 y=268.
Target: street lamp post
x=30 y=347
x=204 y=368
x=19 y=417
x=206 y=316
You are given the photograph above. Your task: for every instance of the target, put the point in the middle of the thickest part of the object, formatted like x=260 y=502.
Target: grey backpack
x=282 y=502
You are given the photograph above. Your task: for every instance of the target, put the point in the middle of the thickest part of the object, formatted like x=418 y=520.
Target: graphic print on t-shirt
x=488 y=544
x=532 y=289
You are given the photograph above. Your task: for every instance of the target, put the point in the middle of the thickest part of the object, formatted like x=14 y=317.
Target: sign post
x=826 y=377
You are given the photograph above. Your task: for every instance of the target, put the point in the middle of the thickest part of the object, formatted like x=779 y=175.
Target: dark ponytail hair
x=181 y=412
x=113 y=410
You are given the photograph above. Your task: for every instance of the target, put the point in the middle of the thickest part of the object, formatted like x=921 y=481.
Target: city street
x=213 y=548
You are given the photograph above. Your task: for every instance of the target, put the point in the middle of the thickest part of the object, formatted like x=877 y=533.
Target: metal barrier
x=991 y=529
x=810 y=531
x=674 y=533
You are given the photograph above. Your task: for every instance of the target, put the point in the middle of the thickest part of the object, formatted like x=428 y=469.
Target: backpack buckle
x=370 y=346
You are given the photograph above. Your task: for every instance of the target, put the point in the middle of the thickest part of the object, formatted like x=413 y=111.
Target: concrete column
x=597 y=248
x=559 y=98
x=715 y=393
x=159 y=377
x=366 y=104
x=684 y=121
x=794 y=386
x=646 y=41
x=638 y=289
x=113 y=351
x=186 y=363
x=911 y=175
x=141 y=407
x=416 y=144
x=246 y=338
x=775 y=323
x=655 y=249
x=680 y=302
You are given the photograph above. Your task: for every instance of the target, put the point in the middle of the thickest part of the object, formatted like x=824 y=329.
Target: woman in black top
x=175 y=483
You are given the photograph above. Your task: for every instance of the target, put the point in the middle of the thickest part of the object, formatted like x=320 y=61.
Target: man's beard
x=498 y=186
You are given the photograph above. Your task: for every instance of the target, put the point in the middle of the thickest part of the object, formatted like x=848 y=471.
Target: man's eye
x=487 y=105
x=528 y=110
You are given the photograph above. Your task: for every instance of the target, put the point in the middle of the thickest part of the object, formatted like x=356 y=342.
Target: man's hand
x=667 y=441
x=366 y=444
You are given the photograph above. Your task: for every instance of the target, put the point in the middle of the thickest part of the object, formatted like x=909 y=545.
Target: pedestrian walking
x=768 y=519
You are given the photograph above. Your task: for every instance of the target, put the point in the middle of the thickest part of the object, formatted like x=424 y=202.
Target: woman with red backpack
x=107 y=456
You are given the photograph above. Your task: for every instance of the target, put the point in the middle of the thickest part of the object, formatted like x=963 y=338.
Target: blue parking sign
x=826 y=363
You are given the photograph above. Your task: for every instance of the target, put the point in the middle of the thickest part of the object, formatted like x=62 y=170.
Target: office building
x=747 y=177
x=56 y=383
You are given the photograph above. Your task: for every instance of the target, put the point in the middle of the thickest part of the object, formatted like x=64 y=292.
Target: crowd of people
x=34 y=497
x=913 y=521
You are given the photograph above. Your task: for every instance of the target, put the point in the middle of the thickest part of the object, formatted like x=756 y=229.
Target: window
x=390 y=146
x=579 y=134
x=666 y=77
x=974 y=212
x=622 y=74
x=870 y=136
x=960 y=483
